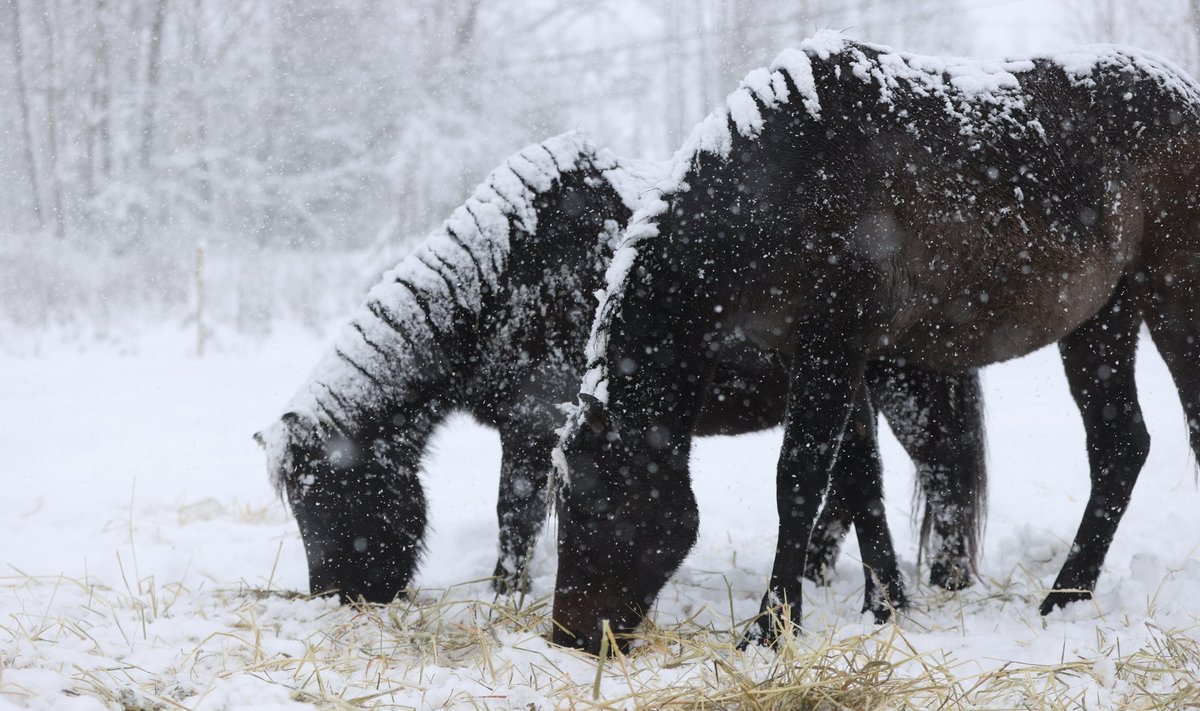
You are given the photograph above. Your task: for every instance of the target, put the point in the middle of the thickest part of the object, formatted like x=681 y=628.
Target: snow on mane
x=766 y=86
x=397 y=336
x=1080 y=62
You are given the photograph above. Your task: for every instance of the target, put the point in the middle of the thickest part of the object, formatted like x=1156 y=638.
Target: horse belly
x=1007 y=316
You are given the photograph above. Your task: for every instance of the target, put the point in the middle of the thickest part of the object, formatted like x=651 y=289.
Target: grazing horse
x=851 y=203
x=490 y=316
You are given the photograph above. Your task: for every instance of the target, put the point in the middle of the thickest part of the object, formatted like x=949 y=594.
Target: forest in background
x=259 y=163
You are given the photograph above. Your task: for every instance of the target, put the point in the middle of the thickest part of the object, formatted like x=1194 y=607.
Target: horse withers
x=852 y=203
x=490 y=317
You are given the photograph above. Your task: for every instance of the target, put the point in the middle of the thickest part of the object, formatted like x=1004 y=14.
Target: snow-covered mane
x=768 y=88
x=405 y=332
x=965 y=86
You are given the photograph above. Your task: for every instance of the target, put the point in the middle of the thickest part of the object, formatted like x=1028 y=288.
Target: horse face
x=626 y=520
x=361 y=520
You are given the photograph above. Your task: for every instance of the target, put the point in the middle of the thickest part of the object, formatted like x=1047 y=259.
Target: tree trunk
x=1194 y=6
x=153 y=68
x=464 y=32
x=23 y=107
x=54 y=73
x=150 y=105
x=676 y=113
x=100 y=159
x=200 y=110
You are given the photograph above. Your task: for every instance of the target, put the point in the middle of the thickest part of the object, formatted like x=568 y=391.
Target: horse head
x=356 y=498
x=626 y=519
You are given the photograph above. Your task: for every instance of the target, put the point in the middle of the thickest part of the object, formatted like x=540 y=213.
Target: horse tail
x=954 y=482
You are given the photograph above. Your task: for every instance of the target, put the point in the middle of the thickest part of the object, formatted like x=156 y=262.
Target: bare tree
x=53 y=73
x=99 y=127
x=23 y=106
x=153 y=69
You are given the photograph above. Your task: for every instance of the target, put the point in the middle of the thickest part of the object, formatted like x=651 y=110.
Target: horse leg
x=1171 y=313
x=521 y=506
x=824 y=382
x=833 y=523
x=1098 y=358
x=938 y=419
x=859 y=473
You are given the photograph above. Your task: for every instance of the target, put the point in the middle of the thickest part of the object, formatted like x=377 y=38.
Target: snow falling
x=202 y=200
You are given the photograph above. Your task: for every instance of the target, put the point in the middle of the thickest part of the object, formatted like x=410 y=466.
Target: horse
x=850 y=203
x=490 y=317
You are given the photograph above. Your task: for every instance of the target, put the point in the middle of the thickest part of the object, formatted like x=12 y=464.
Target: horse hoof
x=1061 y=598
x=884 y=614
x=355 y=597
x=884 y=609
x=950 y=576
x=507 y=582
x=760 y=634
x=818 y=574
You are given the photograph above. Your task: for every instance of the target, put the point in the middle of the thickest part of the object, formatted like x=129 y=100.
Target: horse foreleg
x=938 y=419
x=859 y=473
x=521 y=506
x=824 y=382
x=833 y=523
x=1098 y=358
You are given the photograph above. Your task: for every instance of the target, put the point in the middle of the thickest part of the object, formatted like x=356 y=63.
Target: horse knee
x=1139 y=445
x=1120 y=448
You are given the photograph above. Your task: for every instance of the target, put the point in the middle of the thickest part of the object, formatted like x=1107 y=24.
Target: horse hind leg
x=858 y=475
x=1098 y=358
x=1172 y=312
x=830 y=531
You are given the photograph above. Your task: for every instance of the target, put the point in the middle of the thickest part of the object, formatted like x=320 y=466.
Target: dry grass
x=450 y=650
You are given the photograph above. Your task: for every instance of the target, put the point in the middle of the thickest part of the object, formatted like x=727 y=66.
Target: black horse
x=852 y=203
x=491 y=317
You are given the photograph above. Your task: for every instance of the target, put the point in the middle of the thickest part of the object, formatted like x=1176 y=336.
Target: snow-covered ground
x=139 y=537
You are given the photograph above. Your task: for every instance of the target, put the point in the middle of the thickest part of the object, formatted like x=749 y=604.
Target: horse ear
x=594 y=414
x=300 y=425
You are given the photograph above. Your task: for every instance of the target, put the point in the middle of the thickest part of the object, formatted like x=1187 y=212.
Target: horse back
x=1002 y=218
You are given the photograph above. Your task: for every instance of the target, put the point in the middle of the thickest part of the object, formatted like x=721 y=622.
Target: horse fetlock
x=883 y=601
x=951 y=573
x=776 y=622
x=511 y=576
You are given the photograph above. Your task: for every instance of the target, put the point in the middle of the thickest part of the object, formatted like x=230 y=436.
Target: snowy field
x=145 y=563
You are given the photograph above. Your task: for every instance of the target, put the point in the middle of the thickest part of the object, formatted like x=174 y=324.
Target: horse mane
x=404 y=332
x=788 y=79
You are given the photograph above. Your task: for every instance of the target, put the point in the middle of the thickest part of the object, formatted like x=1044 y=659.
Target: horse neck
x=406 y=432
x=419 y=332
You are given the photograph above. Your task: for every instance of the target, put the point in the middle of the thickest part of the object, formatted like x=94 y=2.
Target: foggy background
x=256 y=165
